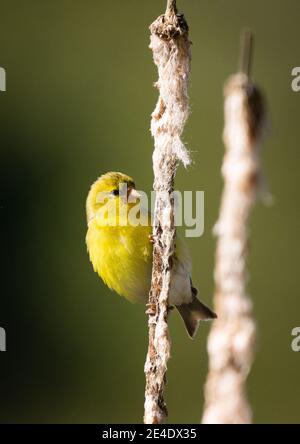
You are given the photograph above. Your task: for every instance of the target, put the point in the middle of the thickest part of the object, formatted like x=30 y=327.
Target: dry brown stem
x=171 y=53
x=232 y=339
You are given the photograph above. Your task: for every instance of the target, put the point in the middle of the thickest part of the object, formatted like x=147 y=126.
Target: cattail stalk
x=232 y=339
x=171 y=53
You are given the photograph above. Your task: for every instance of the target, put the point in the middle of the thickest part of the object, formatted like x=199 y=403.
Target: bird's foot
x=152 y=238
x=151 y=309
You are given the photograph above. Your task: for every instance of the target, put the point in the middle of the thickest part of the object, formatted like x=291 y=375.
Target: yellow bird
x=121 y=252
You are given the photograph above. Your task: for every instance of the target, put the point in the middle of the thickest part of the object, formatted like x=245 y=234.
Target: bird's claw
x=151 y=309
x=151 y=238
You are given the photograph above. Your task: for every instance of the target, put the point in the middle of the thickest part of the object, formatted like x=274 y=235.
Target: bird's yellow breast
x=122 y=256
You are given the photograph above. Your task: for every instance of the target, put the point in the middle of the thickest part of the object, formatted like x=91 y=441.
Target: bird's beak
x=132 y=195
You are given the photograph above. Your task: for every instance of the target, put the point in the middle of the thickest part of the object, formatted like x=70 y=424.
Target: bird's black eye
x=115 y=192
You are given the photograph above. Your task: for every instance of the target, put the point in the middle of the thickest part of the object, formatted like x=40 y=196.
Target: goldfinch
x=121 y=252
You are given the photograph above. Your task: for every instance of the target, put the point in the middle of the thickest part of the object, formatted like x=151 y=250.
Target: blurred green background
x=78 y=103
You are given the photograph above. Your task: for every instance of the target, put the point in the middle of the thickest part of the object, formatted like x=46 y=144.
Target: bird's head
x=110 y=193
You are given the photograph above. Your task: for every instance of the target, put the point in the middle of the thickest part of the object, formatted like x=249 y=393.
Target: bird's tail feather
x=193 y=313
